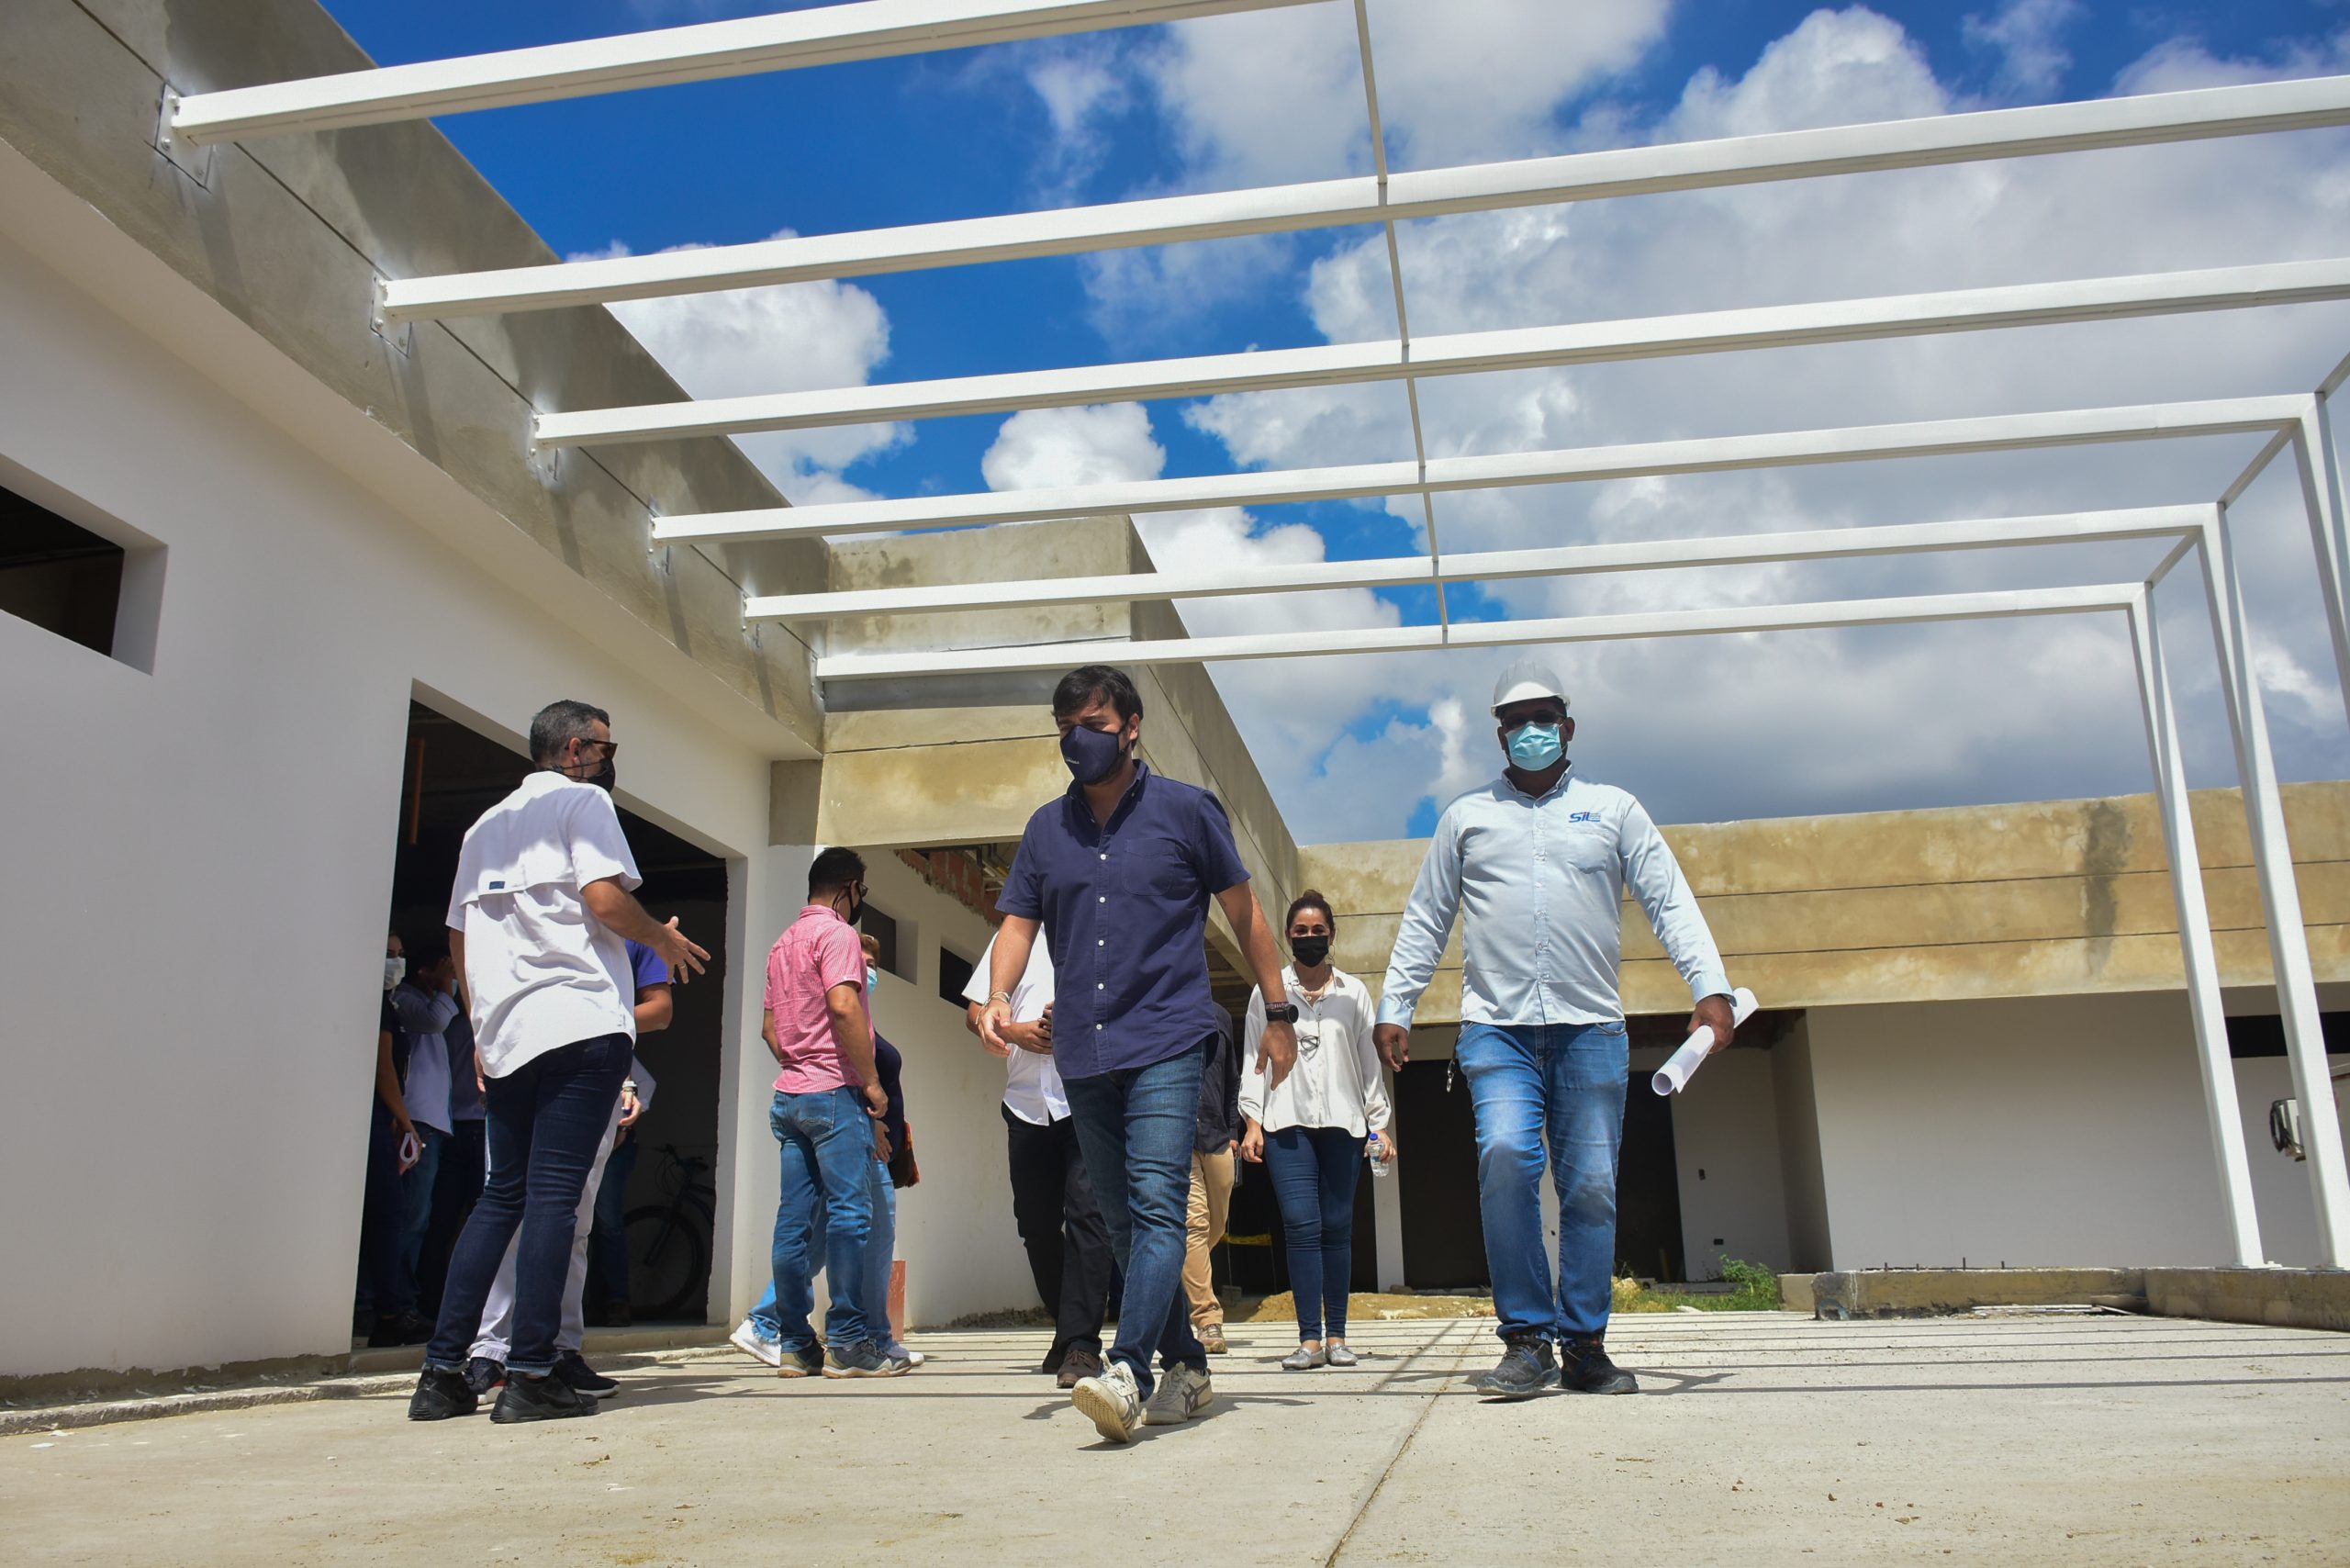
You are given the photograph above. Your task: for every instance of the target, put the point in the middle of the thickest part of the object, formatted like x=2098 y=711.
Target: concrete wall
x=1726 y=1153
x=2057 y=1131
x=1796 y=1106
x=202 y=854
x=2049 y=898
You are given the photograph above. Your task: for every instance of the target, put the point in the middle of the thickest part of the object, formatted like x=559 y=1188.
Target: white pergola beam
x=1481 y=635
x=1585 y=176
x=1457 y=353
x=1834 y=544
x=1708 y=454
x=786 y=41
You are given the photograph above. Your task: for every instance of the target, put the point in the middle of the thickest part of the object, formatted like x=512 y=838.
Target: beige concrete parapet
x=2048 y=898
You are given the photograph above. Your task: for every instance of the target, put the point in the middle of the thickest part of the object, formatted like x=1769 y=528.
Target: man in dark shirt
x=1116 y=875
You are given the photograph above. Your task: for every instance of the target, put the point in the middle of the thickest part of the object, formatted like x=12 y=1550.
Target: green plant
x=1758 y=1287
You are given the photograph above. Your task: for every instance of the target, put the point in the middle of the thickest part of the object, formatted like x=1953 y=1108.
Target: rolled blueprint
x=1682 y=1064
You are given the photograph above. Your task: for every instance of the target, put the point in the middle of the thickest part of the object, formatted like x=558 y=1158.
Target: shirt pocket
x=1158 y=866
x=1589 y=846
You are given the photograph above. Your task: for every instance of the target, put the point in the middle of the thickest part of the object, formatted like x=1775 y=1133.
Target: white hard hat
x=1526 y=680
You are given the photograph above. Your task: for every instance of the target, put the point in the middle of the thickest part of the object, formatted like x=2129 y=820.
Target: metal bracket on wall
x=399 y=336
x=194 y=161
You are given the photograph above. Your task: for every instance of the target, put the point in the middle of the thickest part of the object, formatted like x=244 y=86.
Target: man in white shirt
x=538 y=920
x=1536 y=864
x=1067 y=1239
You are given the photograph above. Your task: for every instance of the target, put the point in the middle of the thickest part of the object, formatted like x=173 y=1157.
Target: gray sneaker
x=863 y=1359
x=1180 y=1395
x=1112 y=1402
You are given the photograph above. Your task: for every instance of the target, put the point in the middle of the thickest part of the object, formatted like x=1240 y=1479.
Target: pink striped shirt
x=815 y=953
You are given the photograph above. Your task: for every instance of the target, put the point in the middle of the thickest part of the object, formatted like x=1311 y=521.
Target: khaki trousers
x=1211 y=1202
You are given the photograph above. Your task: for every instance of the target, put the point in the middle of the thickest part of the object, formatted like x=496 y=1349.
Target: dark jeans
x=1062 y=1229
x=456 y=1189
x=545 y=1120
x=1314 y=1172
x=607 y=1244
x=1135 y=1126
x=382 y=1289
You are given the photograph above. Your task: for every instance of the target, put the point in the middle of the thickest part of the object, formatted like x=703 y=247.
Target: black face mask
x=604 y=776
x=1311 y=950
x=1092 y=755
x=855 y=910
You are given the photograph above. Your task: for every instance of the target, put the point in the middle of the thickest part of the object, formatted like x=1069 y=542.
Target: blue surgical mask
x=1533 y=747
x=872 y=976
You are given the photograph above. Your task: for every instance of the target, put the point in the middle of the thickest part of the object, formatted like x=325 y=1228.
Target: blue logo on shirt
x=497 y=883
x=1582 y=816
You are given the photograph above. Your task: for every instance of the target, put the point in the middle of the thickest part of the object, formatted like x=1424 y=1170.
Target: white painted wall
x=2066 y=1130
x=1726 y=1147
x=199 y=858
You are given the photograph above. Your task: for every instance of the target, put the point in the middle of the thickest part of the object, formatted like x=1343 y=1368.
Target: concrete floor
x=1761 y=1438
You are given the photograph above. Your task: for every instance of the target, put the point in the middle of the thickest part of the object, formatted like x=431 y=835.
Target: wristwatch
x=1286 y=1012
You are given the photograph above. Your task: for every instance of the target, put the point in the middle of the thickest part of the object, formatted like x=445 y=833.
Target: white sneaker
x=1180 y=1395
x=1112 y=1402
x=751 y=1342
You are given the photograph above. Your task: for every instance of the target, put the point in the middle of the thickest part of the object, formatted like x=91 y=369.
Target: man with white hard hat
x=1536 y=863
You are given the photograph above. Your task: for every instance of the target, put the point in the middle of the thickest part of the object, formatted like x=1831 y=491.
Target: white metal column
x=2196 y=952
x=2280 y=898
x=2321 y=499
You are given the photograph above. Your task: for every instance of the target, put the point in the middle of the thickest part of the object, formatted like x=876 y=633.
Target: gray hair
x=557 y=724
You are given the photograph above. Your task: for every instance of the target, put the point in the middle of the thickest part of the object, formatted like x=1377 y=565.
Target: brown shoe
x=1077 y=1366
x=1211 y=1340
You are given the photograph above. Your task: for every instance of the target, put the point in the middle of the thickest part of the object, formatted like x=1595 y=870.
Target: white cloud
x=1808 y=723
x=791 y=337
x=2028 y=37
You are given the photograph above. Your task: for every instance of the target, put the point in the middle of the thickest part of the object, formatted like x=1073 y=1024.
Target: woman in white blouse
x=1310 y=1131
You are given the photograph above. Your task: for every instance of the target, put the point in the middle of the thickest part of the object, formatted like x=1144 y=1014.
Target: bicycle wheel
x=668 y=1262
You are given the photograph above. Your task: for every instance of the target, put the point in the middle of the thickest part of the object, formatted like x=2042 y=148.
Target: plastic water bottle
x=1375 y=1150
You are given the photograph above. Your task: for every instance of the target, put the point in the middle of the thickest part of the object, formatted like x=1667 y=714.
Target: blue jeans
x=1135 y=1126
x=545 y=1119
x=1314 y=1172
x=880 y=1253
x=1560 y=1085
x=827 y=1142
x=415 y=1209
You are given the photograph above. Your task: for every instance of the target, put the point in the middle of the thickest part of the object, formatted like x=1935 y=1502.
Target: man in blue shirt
x=1117 y=875
x=1537 y=864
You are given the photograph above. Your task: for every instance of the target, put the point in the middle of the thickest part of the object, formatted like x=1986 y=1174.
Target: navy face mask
x=1091 y=755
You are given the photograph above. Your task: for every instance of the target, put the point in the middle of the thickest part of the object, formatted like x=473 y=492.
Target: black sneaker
x=1527 y=1368
x=806 y=1362
x=440 y=1394
x=573 y=1368
x=1589 y=1371
x=547 y=1398
x=407 y=1328
x=864 y=1358
x=482 y=1375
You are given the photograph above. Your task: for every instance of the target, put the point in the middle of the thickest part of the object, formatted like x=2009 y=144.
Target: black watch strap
x=1284 y=1013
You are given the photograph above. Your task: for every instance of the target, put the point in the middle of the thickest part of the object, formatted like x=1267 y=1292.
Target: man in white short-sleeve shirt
x=538 y=922
x=1060 y=1225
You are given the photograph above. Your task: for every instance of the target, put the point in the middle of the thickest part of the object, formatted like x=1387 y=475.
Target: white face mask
x=395 y=971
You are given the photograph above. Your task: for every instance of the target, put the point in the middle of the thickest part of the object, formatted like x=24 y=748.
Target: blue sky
x=1146 y=111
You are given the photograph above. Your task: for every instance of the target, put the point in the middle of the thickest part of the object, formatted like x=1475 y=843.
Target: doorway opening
x=453 y=773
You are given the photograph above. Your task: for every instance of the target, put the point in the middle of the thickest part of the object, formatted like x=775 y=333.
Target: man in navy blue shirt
x=1116 y=875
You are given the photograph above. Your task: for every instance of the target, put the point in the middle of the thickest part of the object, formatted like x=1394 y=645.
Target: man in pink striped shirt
x=825 y=1097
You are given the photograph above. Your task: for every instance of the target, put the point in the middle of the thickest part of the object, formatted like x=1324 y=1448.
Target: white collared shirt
x=541 y=970
x=1032 y=1084
x=1337 y=1081
x=1538 y=885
